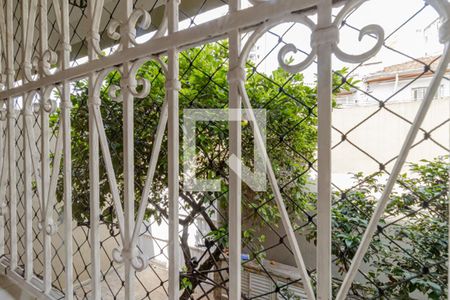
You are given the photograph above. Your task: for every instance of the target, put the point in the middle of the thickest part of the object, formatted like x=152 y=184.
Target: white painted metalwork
x=94 y=10
x=235 y=214
x=172 y=88
x=323 y=42
x=44 y=74
x=443 y=8
x=11 y=132
x=66 y=105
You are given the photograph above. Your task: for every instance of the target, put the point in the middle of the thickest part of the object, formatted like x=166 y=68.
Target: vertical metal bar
x=399 y=163
x=173 y=164
x=94 y=179
x=28 y=197
x=45 y=181
x=45 y=153
x=290 y=233
x=128 y=153
x=67 y=167
x=11 y=134
x=234 y=222
x=324 y=156
x=4 y=159
x=3 y=141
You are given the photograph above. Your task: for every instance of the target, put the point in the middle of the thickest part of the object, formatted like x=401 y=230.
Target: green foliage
x=291 y=142
x=288 y=295
x=407 y=255
x=203 y=76
x=185 y=283
x=409 y=252
x=292 y=115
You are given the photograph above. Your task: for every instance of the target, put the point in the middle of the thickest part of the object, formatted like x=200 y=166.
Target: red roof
x=406 y=70
x=412 y=65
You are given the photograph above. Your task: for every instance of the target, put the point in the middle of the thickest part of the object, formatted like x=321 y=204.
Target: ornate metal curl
x=138 y=261
x=442 y=7
x=50 y=226
x=325 y=35
x=113 y=91
x=372 y=29
x=94 y=37
x=265 y=27
x=138 y=18
x=134 y=82
x=47 y=104
x=49 y=58
x=30 y=69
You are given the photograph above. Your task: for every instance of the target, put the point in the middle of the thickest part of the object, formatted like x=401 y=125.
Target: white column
x=173 y=164
x=324 y=156
x=235 y=187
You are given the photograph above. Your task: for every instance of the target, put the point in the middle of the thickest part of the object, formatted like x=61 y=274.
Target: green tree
x=292 y=121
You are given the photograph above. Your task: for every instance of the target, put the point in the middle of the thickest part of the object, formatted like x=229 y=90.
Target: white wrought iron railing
x=41 y=75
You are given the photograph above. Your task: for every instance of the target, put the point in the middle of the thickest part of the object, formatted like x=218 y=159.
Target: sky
x=389 y=14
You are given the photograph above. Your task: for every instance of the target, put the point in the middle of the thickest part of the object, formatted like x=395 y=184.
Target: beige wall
x=382 y=136
x=383 y=133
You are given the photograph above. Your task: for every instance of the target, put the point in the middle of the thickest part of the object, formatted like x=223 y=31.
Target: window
x=419 y=93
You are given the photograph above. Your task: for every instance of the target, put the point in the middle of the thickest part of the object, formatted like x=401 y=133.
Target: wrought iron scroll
x=139 y=18
x=131 y=55
x=442 y=7
x=324 y=42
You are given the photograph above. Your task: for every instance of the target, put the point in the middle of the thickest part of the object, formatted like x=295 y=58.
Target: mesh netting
x=374 y=104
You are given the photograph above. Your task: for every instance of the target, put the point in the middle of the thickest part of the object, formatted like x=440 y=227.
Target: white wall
x=383 y=133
